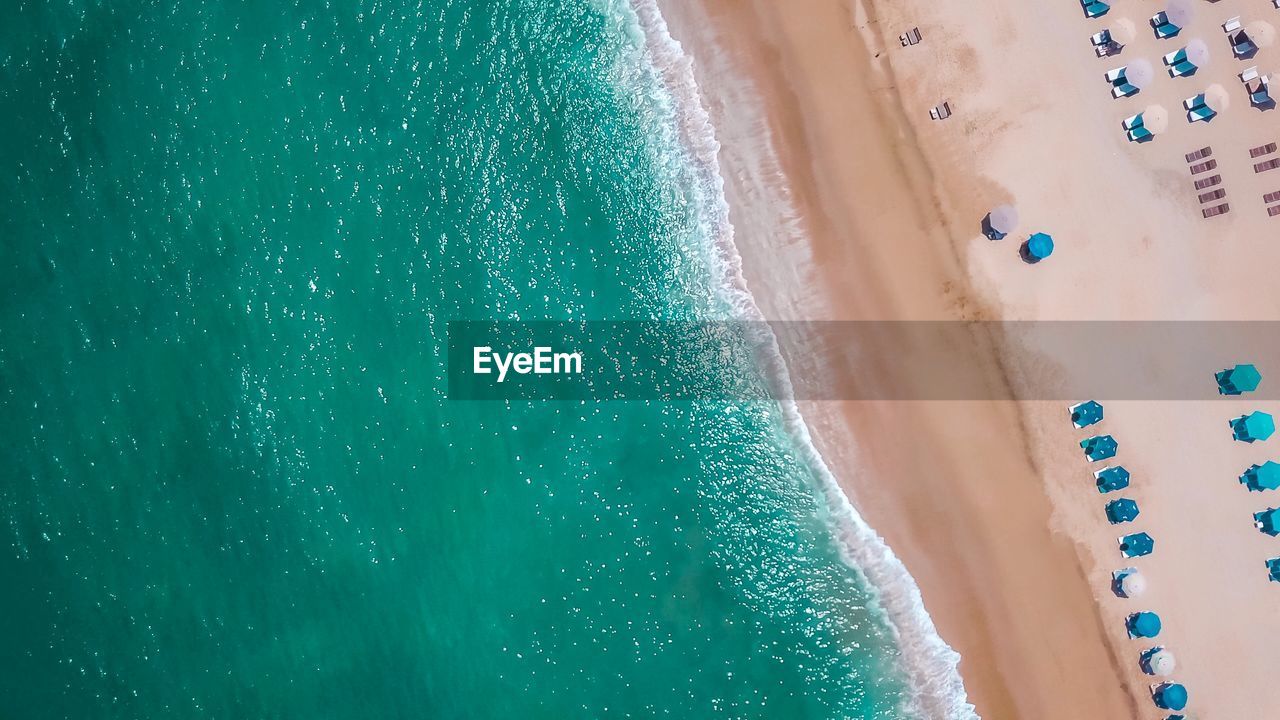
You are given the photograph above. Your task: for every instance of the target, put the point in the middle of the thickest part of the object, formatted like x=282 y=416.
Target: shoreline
x=968 y=599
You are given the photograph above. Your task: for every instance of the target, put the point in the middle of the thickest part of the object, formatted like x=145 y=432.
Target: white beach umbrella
x=1155 y=118
x=1139 y=73
x=1124 y=31
x=1262 y=33
x=1216 y=98
x=1004 y=219
x=1198 y=53
x=1133 y=584
x=1162 y=663
x=1180 y=12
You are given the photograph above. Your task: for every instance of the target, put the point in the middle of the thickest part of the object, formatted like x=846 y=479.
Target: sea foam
x=930 y=665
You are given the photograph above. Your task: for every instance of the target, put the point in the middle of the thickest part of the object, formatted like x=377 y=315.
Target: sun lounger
x=1175 y=57
x=1123 y=90
x=1140 y=134
x=1132 y=121
x=1216 y=210
x=1268 y=165
x=1212 y=195
x=1101 y=38
x=1231 y=25
x=1208 y=182
x=1202 y=113
x=1250 y=73
x=1245 y=48
x=1181 y=69
x=1205 y=166
x=1203 y=152
x=1193 y=102
x=1262 y=150
x=1095 y=9
x=1274 y=210
x=1271 y=197
x=1115 y=74
x=910 y=37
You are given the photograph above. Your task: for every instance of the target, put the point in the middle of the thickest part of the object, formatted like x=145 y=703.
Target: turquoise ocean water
x=231 y=485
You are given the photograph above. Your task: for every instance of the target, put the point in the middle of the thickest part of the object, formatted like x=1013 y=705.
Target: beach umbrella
x=1112 y=478
x=1156 y=119
x=1262 y=33
x=1158 y=661
x=1123 y=31
x=1137 y=545
x=1129 y=582
x=1268 y=521
x=1254 y=426
x=1262 y=477
x=1273 y=569
x=1086 y=413
x=1004 y=219
x=1197 y=52
x=1143 y=624
x=1121 y=511
x=1038 y=247
x=1099 y=447
x=1216 y=98
x=1238 y=380
x=1139 y=73
x=1169 y=696
x=1180 y=12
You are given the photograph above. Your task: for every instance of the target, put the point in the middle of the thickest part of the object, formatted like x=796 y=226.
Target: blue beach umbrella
x=1273 y=569
x=1099 y=447
x=1122 y=511
x=1143 y=625
x=1256 y=425
x=1112 y=478
x=1037 y=247
x=1268 y=521
x=1262 y=477
x=1238 y=380
x=1169 y=696
x=1086 y=413
x=1137 y=545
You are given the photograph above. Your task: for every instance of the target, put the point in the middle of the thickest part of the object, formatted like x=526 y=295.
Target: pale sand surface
x=991 y=505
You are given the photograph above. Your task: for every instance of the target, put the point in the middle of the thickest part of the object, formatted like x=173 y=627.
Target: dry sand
x=990 y=504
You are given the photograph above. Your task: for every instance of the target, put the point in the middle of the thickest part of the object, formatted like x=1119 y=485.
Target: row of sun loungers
x=1199 y=162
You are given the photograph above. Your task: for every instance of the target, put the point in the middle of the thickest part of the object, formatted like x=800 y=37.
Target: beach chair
x=1250 y=73
x=1274 y=210
x=1205 y=166
x=1193 y=102
x=1115 y=75
x=1242 y=46
x=1262 y=150
x=1201 y=113
x=1101 y=38
x=1182 y=69
x=1095 y=9
x=1268 y=165
x=1210 y=181
x=1123 y=90
x=1132 y=121
x=1231 y=25
x=1200 y=154
x=1215 y=211
x=1212 y=195
x=1176 y=56
x=1140 y=134
x=1271 y=197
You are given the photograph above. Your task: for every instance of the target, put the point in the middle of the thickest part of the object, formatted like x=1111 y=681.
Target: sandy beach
x=849 y=202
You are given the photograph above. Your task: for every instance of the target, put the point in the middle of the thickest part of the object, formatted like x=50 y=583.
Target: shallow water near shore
x=234 y=486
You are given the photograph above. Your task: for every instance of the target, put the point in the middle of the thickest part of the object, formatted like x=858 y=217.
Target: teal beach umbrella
x=1037 y=247
x=1238 y=380
x=1099 y=447
x=1121 y=511
x=1254 y=426
x=1262 y=477
x=1112 y=478
x=1086 y=413
x=1143 y=625
x=1137 y=545
x=1170 y=696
